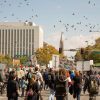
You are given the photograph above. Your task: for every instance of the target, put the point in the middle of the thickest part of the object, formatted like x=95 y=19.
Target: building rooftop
x=26 y=23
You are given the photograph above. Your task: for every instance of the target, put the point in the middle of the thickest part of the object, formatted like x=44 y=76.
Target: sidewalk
x=45 y=94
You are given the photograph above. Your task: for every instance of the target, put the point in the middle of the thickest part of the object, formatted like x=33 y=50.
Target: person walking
x=12 y=87
x=77 y=85
x=60 y=84
x=51 y=82
x=32 y=91
x=45 y=79
x=23 y=84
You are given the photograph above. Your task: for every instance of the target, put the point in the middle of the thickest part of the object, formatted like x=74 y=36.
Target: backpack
x=51 y=80
x=94 y=88
x=39 y=79
x=45 y=76
x=29 y=75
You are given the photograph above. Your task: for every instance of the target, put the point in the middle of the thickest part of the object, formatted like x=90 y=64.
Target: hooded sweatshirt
x=60 y=86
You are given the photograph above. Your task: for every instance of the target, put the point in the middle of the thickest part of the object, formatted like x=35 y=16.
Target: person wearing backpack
x=77 y=85
x=32 y=91
x=51 y=83
x=45 y=78
x=29 y=75
x=39 y=79
x=92 y=85
x=60 y=84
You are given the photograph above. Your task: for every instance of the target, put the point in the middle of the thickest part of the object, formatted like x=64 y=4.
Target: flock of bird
x=20 y=4
x=67 y=27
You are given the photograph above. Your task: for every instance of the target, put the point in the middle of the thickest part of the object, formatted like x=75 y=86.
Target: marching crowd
x=58 y=81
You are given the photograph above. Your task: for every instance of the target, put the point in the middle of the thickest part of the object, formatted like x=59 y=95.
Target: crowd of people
x=59 y=82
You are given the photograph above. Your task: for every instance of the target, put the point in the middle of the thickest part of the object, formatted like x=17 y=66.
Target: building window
x=6 y=41
x=3 y=41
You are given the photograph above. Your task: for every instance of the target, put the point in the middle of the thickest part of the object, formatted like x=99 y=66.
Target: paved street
x=45 y=95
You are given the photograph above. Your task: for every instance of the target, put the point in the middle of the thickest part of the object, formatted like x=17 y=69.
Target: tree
x=95 y=56
x=44 y=55
x=78 y=56
x=6 y=60
x=90 y=52
x=1 y=58
x=23 y=59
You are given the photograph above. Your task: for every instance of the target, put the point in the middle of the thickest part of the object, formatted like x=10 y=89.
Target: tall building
x=20 y=38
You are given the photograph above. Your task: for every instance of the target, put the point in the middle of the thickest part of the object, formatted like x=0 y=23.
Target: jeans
x=52 y=93
x=78 y=96
x=23 y=90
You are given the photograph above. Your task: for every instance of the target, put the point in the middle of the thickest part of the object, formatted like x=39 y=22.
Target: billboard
x=16 y=62
x=2 y=66
x=83 y=65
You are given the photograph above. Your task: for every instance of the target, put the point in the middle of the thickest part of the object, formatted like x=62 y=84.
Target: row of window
x=20 y=41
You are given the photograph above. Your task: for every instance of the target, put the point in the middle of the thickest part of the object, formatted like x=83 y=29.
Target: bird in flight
x=89 y=2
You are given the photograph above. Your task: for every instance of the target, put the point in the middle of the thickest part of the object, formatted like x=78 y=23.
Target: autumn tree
x=44 y=55
x=23 y=59
x=6 y=60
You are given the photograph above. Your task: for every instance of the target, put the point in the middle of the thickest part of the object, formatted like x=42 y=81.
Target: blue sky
x=73 y=17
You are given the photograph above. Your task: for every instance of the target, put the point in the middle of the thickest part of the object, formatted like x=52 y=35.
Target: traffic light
x=60 y=50
x=82 y=51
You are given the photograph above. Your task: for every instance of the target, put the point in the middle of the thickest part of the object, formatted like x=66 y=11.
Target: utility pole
x=82 y=53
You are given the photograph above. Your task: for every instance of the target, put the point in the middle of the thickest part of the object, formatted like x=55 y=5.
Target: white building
x=20 y=38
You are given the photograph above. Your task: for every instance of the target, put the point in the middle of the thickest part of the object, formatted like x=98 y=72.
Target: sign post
x=55 y=60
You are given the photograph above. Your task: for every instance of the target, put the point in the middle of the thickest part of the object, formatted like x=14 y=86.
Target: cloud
x=73 y=42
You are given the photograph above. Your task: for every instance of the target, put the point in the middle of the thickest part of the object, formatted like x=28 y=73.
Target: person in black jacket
x=77 y=85
x=51 y=82
x=32 y=91
x=60 y=84
x=12 y=87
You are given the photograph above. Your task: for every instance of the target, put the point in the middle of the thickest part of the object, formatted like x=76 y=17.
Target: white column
x=7 y=41
x=13 y=43
x=16 y=42
x=10 y=42
x=28 y=43
x=4 y=42
x=19 y=41
x=22 y=42
x=31 y=42
x=25 y=42
x=1 y=41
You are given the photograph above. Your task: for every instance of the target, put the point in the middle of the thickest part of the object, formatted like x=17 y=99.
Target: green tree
x=78 y=56
x=95 y=56
x=90 y=52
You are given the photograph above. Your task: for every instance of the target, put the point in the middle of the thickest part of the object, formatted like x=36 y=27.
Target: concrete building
x=20 y=38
